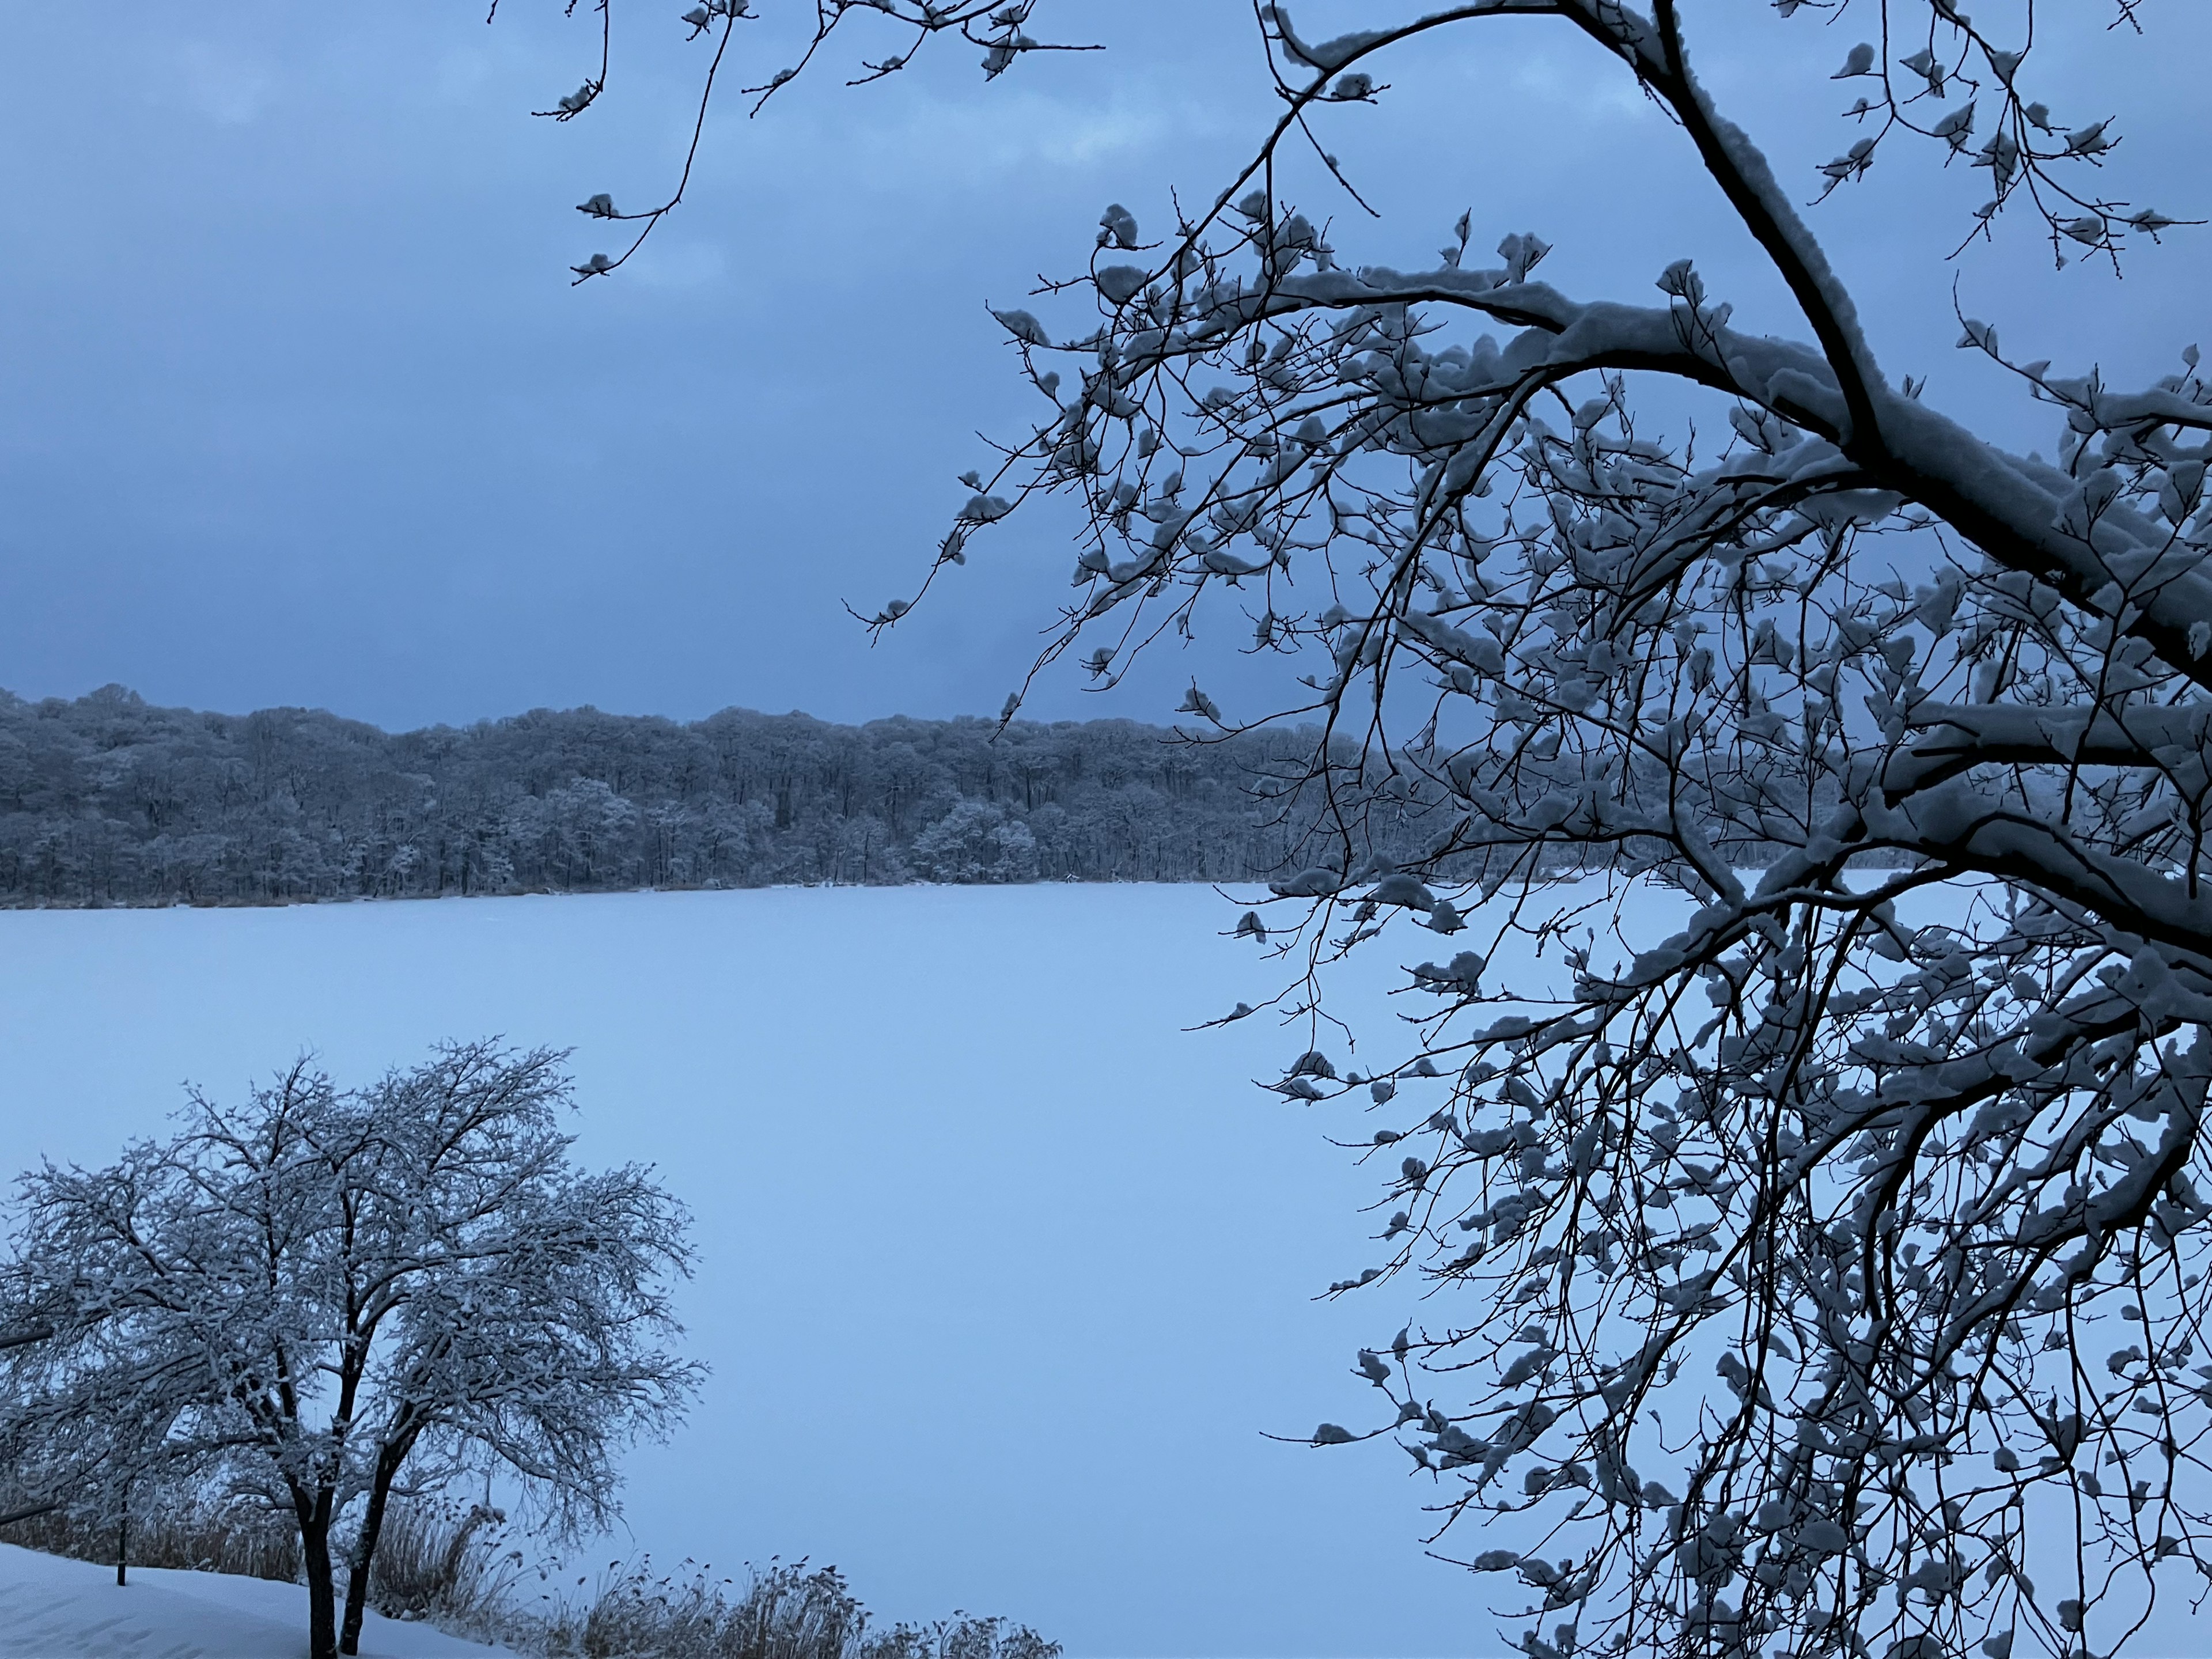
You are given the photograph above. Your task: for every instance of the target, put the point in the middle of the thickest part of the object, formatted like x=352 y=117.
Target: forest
x=108 y=799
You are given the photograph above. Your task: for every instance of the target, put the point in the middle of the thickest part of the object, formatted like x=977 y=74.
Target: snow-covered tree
x=105 y=800
x=1855 y=767
x=975 y=842
x=319 y=1299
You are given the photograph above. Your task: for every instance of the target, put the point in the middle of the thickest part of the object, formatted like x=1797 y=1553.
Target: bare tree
x=1887 y=1088
x=320 y=1299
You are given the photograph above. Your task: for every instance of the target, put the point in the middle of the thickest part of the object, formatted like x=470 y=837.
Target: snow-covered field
x=1002 y=1274
x=51 y=1608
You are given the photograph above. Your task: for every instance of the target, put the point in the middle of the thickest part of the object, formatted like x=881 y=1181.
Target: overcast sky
x=300 y=407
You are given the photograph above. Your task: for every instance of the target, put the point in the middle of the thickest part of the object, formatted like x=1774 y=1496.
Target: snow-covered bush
x=1900 y=1131
x=319 y=1301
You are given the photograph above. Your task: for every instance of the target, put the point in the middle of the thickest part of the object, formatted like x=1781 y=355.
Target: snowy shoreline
x=51 y=1607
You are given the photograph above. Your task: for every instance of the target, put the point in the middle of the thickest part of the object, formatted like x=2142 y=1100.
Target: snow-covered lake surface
x=1002 y=1274
x=51 y=1608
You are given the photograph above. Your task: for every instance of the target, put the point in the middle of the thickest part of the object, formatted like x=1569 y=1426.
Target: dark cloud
x=301 y=409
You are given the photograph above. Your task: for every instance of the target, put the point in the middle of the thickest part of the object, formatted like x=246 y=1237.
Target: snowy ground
x=51 y=1608
x=1003 y=1275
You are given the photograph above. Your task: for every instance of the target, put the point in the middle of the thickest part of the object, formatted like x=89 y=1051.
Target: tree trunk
x=364 y=1552
x=322 y=1604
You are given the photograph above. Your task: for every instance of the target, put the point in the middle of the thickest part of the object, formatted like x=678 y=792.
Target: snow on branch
x=1852 y=771
x=1916 y=1094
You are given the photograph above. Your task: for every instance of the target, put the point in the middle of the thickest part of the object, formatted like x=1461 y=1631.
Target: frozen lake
x=1002 y=1274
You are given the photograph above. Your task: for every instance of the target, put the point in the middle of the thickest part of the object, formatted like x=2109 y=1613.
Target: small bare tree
x=320 y=1299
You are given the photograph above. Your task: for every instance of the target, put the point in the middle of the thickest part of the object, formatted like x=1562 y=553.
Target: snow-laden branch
x=1862 y=1133
x=1852 y=768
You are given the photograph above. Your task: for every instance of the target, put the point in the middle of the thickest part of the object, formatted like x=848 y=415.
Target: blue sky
x=301 y=409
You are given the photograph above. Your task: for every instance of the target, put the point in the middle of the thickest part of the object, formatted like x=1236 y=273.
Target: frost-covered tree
x=974 y=842
x=1855 y=767
x=105 y=800
x=319 y=1299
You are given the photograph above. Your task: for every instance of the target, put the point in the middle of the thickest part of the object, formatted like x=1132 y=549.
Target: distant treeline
x=109 y=800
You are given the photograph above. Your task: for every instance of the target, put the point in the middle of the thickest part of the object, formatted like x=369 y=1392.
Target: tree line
x=109 y=800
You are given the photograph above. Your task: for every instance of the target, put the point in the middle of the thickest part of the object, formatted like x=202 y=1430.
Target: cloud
x=227 y=88
x=927 y=135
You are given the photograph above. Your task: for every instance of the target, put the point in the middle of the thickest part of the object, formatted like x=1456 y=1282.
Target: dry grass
x=444 y=1565
x=194 y=1532
x=786 y=1611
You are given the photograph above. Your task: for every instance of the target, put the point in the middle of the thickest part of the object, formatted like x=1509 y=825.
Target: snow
x=52 y=1609
x=1003 y=1272
x=1004 y=1275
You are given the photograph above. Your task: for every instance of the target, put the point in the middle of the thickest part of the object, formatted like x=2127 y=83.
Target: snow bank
x=54 y=1608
